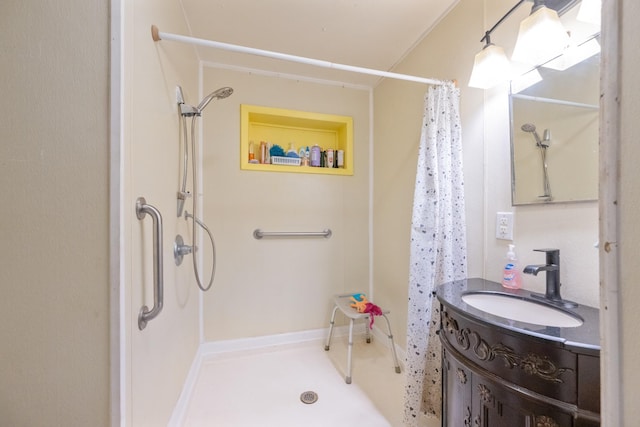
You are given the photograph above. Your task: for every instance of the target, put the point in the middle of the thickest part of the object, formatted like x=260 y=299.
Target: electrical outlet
x=504 y=225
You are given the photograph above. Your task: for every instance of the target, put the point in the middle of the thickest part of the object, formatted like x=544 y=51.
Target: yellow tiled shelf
x=303 y=129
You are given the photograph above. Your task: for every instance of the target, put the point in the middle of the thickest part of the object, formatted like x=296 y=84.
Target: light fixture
x=490 y=67
x=541 y=37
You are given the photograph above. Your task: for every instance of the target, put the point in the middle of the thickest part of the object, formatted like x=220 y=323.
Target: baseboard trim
x=256 y=343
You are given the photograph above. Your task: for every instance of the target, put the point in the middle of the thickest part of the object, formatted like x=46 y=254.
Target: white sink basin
x=521 y=310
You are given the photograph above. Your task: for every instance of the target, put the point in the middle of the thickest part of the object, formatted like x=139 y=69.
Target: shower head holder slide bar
x=145 y=315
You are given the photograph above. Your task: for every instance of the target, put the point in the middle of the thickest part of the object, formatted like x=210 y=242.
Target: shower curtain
x=438 y=247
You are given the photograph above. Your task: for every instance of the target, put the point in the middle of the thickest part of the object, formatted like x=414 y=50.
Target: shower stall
x=183 y=157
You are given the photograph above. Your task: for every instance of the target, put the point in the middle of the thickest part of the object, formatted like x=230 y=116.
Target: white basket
x=290 y=161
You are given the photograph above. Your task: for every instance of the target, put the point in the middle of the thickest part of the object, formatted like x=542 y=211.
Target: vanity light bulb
x=490 y=68
x=541 y=37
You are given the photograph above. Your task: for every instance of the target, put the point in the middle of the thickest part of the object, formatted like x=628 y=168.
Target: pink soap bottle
x=511 y=274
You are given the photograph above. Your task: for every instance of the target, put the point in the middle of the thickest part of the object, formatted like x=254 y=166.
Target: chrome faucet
x=552 y=267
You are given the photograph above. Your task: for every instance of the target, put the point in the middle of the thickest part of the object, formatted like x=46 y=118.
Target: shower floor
x=264 y=387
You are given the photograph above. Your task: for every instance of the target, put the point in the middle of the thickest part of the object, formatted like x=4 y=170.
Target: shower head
x=528 y=127
x=221 y=93
x=187 y=110
x=531 y=128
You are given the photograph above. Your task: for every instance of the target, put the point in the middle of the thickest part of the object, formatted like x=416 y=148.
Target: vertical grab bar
x=142 y=208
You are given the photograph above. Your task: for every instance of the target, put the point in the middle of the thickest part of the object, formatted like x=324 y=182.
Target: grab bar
x=259 y=234
x=142 y=208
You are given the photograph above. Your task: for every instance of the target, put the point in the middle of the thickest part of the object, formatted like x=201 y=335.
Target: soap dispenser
x=511 y=274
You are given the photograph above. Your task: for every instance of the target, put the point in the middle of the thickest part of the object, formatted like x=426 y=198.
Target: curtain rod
x=157 y=35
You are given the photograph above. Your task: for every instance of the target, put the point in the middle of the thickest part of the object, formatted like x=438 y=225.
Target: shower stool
x=343 y=302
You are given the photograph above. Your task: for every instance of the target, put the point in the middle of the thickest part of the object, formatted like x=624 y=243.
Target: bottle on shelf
x=252 y=156
x=263 y=152
x=315 y=156
x=291 y=152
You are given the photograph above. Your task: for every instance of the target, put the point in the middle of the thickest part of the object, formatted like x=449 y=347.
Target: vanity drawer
x=540 y=366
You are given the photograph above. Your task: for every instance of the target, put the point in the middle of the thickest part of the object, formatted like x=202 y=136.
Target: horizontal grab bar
x=145 y=315
x=259 y=234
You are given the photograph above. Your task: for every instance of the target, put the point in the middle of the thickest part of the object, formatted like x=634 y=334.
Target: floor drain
x=309 y=397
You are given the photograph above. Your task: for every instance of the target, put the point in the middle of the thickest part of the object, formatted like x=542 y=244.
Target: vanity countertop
x=583 y=338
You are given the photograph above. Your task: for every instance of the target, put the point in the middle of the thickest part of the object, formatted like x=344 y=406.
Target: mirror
x=554 y=126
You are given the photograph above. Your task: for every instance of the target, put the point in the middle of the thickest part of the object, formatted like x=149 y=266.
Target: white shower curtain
x=438 y=247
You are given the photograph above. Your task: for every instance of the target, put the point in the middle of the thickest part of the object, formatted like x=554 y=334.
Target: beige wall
x=157 y=358
x=447 y=52
x=54 y=175
x=265 y=287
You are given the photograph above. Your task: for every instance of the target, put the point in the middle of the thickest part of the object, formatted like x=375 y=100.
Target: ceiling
x=372 y=34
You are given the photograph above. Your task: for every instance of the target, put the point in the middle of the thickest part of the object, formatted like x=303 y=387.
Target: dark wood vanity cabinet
x=494 y=377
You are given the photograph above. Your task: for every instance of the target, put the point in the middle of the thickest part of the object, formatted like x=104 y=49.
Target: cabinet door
x=496 y=406
x=456 y=396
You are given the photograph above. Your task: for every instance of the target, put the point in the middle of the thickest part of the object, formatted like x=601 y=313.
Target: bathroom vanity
x=503 y=372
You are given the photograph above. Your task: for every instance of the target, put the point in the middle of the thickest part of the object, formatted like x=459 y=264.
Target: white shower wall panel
x=272 y=286
x=156 y=359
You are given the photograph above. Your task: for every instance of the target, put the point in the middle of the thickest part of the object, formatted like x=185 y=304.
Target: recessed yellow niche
x=303 y=129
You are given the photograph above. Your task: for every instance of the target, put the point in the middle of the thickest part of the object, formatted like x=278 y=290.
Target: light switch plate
x=504 y=225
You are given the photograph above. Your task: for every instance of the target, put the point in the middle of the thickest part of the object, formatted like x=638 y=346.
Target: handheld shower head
x=221 y=93
x=528 y=127
x=531 y=128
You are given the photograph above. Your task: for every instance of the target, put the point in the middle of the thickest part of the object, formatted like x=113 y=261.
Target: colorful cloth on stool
x=361 y=305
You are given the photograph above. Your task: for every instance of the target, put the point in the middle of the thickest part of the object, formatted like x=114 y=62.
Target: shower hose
x=194 y=220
